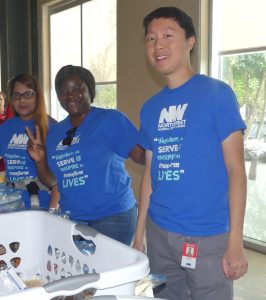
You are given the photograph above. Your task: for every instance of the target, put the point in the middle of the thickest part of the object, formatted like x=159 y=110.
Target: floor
x=250 y=287
x=253 y=285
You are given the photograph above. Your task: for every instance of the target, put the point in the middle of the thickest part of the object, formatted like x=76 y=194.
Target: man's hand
x=235 y=264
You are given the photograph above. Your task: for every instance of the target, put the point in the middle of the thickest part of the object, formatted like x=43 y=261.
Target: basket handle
x=72 y=283
x=86 y=230
x=64 y=287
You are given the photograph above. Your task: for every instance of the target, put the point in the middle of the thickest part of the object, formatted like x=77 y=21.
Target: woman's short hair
x=82 y=73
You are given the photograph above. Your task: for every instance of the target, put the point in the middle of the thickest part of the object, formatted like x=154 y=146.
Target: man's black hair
x=171 y=12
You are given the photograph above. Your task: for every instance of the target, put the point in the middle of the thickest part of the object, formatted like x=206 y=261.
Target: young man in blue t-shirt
x=193 y=192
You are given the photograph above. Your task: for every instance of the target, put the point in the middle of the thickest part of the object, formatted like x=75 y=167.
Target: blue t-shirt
x=91 y=175
x=18 y=163
x=184 y=128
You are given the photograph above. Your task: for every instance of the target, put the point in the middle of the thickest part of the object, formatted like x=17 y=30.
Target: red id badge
x=189 y=255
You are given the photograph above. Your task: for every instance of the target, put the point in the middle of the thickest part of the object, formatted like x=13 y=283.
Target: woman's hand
x=37 y=152
x=139 y=246
x=36 y=149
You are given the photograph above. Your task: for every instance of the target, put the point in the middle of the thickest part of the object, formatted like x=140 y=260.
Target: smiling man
x=193 y=191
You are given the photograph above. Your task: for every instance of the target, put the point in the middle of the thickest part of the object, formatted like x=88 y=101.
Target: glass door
x=239 y=59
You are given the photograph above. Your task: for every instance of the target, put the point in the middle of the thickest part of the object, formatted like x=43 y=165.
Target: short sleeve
x=227 y=117
x=124 y=133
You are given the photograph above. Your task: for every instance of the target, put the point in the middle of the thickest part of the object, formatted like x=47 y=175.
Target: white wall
x=136 y=80
x=248 y=31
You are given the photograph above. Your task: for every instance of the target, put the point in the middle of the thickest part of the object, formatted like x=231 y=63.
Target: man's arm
x=144 y=201
x=234 y=261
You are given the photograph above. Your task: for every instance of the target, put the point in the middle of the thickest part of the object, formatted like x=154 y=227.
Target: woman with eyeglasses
x=27 y=100
x=86 y=153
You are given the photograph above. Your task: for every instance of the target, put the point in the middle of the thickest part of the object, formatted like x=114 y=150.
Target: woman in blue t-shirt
x=27 y=101
x=86 y=153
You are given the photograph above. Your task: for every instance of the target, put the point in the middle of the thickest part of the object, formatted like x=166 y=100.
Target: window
x=239 y=58
x=84 y=33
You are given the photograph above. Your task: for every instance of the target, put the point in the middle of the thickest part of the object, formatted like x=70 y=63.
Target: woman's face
x=23 y=100
x=74 y=96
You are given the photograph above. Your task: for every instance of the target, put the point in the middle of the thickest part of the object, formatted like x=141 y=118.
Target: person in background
x=5 y=113
x=26 y=97
x=193 y=192
x=2 y=107
x=85 y=156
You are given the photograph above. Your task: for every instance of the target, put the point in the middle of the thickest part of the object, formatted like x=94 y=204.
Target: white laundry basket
x=38 y=238
x=113 y=297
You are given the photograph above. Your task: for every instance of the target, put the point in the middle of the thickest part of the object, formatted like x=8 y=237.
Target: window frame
x=250 y=243
x=45 y=8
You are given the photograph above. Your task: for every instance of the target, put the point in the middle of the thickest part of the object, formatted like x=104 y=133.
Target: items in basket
x=10 y=282
x=32 y=277
x=146 y=285
x=10 y=199
x=87 y=294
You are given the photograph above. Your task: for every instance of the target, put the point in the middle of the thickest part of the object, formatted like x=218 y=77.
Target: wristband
x=51 y=187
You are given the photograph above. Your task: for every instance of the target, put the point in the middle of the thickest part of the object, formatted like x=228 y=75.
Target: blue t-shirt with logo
x=184 y=128
x=91 y=174
x=19 y=165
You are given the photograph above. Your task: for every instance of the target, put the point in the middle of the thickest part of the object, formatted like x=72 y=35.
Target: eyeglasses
x=15 y=96
x=70 y=136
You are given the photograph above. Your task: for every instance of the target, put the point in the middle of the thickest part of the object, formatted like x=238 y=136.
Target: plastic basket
x=113 y=297
x=46 y=240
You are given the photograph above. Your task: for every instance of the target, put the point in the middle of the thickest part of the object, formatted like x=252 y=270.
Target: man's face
x=167 y=48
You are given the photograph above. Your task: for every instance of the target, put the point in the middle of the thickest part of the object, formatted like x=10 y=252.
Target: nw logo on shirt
x=60 y=145
x=18 y=141
x=172 y=117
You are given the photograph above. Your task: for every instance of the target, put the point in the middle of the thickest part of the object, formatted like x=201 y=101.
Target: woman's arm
x=55 y=197
x=144 y=201
x=137 y=154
